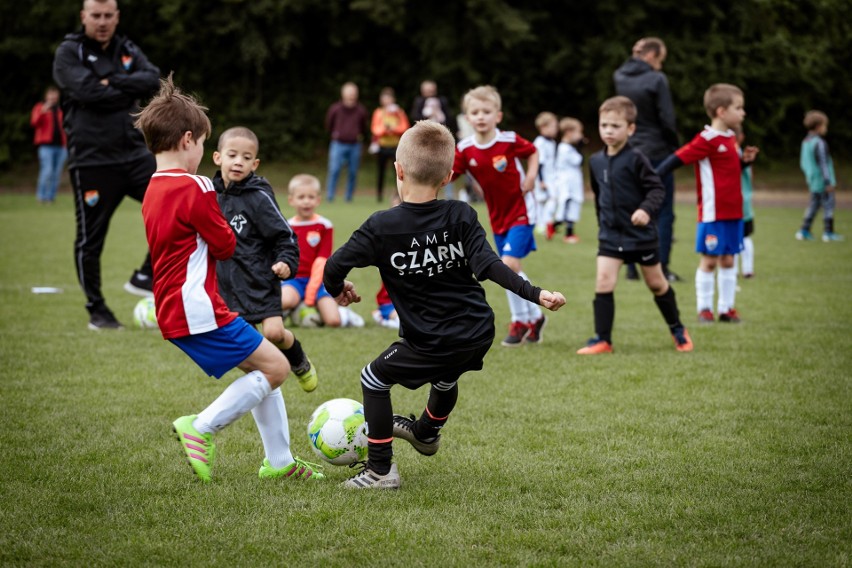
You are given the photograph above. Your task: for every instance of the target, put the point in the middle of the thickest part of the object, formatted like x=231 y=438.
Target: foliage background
x=275 y=65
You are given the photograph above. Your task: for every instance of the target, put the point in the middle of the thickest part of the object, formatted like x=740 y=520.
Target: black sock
x=569 y=228
x=378 y=413
x=604 y=306
x=436 y=413
x=668 y=307
x=296 y=356
x=829 y=225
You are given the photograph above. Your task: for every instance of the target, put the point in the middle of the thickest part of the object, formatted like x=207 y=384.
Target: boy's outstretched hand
x=551 y=300
x=349 y=295
x=281 y=270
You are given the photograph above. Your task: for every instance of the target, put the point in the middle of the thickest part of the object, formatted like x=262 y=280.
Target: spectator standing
x=347 y=122
x=51 y=141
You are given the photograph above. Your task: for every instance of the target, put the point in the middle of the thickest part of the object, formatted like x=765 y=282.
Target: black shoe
x=672 y=277
x=140 y=284
x=632 y=273
x=103 y=319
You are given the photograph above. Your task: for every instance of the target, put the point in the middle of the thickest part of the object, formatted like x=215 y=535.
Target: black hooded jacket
x=622 y=184
x=98 y=117
x=656 y=129
x=264 y=237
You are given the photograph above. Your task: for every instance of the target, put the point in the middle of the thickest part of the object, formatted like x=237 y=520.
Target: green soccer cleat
x=299 y=469
x=199 y=448
x=307 y=377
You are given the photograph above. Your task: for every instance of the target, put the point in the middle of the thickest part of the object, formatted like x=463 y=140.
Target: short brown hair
x=426 y=152
x=720 y=95
x=814 y=119
x=238 y=132
x=482 y=93
x=651 y=45
x=169 y=115
x=569 y=124
x=303 y=180
x=621 y=105
x=544 y=118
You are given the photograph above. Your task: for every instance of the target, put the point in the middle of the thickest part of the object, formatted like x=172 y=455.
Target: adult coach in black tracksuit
x=103 y=76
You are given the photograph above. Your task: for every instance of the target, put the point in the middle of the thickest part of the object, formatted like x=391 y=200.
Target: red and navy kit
x=187 y=234
x=497 y=168
x=315 y=241
x=718 y=174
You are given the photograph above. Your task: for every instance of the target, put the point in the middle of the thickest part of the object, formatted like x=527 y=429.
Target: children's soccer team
x=226 y=259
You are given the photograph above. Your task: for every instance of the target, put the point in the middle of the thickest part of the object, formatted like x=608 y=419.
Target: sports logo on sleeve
x=500 y=163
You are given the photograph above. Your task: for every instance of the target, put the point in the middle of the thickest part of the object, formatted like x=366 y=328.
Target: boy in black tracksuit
x=267 y=250
x=430 y=254
x=628 y=193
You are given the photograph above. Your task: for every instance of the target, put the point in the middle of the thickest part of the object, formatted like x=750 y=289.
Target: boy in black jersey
x=430 y=254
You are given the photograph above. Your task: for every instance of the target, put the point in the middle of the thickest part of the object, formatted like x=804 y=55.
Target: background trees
x=275 y=65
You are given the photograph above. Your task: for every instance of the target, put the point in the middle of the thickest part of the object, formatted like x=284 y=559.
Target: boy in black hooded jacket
x=628 y=193
x=267 y=249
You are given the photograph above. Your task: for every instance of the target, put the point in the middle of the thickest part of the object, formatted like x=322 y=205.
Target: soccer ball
x=145 y=314
x=338 y=433
x=305 y=316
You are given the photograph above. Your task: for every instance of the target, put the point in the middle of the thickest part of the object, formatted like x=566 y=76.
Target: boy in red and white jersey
x=493 y=158
x=187 y=234
x=718 y=171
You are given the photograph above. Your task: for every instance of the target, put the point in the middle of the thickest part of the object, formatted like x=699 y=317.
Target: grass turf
x=736 y=454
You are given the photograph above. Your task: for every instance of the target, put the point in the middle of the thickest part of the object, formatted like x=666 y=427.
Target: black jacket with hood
x=264 y=237
x=656 y=129
x=622 y=184
x=98 y=117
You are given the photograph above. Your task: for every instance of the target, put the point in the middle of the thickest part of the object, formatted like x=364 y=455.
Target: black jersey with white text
x=429 y=256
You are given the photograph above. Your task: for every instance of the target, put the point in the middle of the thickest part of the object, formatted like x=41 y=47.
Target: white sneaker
x=368 y=479
x=350 y=318
x=391 y=323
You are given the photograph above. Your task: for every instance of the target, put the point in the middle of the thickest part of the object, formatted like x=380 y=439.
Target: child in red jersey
x=187 y=234
x=718 y=174
x=305 y=291
x=493 y=158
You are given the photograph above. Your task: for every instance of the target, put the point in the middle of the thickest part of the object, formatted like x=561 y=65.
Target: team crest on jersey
x=314 y=238
x=92 y=197
x=711 y=242
x=473 y=163
x=500 y=163
x=238 y=222
x=126 y=61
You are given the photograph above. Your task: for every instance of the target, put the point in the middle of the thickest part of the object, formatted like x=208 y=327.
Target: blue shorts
x=221 y=350
x=386 y=310
x=301 y=284
x=719 y=237
x=517 y=242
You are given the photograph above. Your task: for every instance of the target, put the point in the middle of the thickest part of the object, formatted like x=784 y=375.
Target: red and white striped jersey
x=497 y=168
x=717 y=174
x=187 y=234
x=315 y=240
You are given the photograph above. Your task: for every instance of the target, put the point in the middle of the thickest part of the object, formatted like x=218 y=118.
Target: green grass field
x=738 y=454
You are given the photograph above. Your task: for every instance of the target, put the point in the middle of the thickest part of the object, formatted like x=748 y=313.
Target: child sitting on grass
x=187 y=234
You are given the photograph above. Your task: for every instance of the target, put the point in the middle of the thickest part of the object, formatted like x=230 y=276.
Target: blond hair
x=238 y=132
x=621 y=105
x=544 y=118
x=570 y=124
x=426 y=152
x=169 y=115
x=303 y=180
x=485 y=93
x=814 y=119
x=720 y=95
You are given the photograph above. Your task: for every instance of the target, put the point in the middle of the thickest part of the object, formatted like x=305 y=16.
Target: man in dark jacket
x=103 y=76
x=641 y=80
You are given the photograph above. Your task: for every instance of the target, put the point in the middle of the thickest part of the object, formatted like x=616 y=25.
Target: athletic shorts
x=645 y=257
x=221 y=350
x=517 y=242
x=386 y=310
x=719 y=237
x=402 y=365
x=301 y=284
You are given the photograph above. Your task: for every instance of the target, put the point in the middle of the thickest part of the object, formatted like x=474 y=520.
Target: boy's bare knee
x=275 y=336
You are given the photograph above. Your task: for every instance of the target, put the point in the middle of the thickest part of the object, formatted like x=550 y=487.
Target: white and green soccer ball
x=145 y=314
x=305 y=316
x=338 y=433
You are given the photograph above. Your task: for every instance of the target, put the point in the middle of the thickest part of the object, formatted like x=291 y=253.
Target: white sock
x=238 y=399
x=705 y=285
x=271 y=419
x=747 y=256
x=533 y=309
x=344 y=316
x=727 y=278
x=519 y=307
